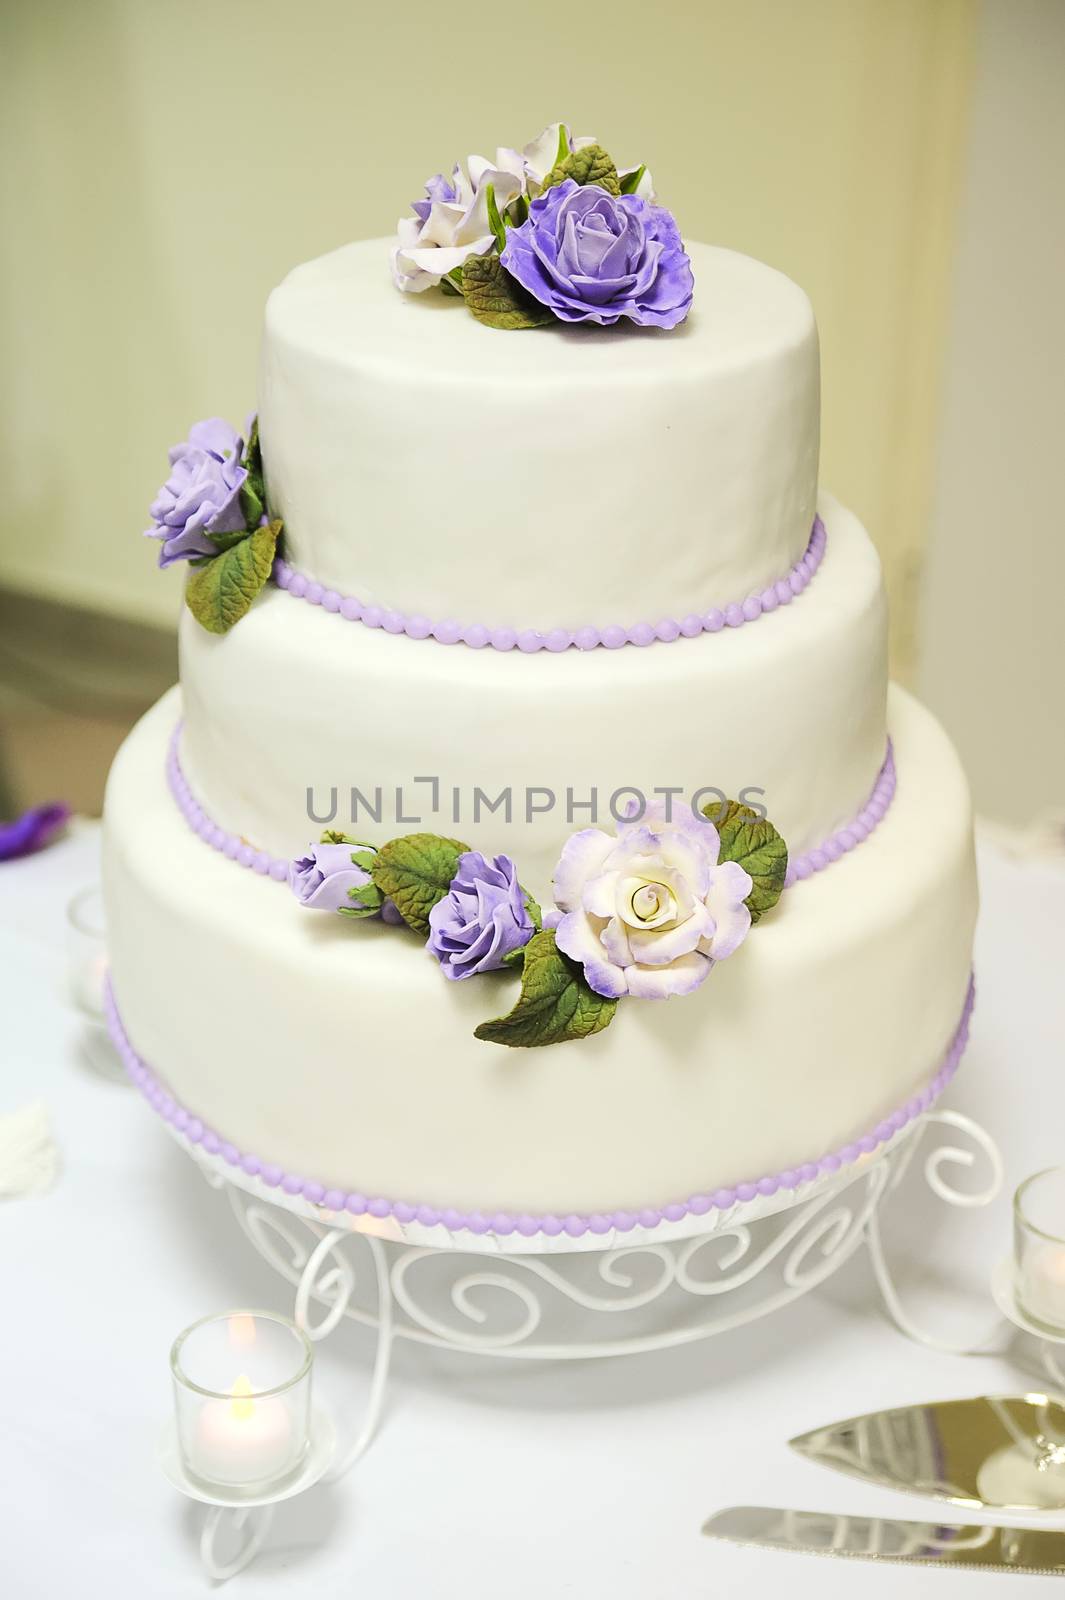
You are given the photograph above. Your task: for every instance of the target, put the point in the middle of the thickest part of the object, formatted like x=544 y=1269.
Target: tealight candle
x=242 y=1391
x=1039 y=1248
x=242 y=1440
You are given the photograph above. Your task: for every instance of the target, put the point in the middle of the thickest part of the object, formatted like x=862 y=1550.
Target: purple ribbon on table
x=32 y=831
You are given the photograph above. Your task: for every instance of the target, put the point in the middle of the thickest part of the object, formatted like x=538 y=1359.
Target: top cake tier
x=557 y=478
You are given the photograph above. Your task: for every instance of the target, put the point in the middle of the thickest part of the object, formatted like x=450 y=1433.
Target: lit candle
x=1042 y=1284
x=87 y=981
x=242 y=1389
x=244 y=1439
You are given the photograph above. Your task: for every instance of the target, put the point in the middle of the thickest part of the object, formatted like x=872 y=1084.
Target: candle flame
x=242 y=1330
x=242 y=1406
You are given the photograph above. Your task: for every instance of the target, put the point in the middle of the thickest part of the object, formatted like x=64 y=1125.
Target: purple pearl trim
x=476 y=635
x=501 y=1223
x=873 y=812
x=235 y=848
x=230 y=845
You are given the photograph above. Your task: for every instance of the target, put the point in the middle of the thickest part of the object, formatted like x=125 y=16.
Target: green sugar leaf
x=588 y=165
x=495 y=221
x=555 y=1003
x=415 y=872
x=497 y=299
x=365 y=901
x=756 y=845
x=221 y=591
x=563 y=144
x=253 y=464
x=222 y=542
x=531 y=906
x=251 y=505
x=631 y=181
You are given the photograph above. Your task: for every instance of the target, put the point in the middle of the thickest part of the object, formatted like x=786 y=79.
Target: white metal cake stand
x=599 y=1295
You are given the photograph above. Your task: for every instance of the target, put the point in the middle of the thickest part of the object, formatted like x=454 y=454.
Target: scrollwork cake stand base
x=617 y=1294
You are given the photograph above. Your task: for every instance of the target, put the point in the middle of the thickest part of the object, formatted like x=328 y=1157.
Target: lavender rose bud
x=590 y=257
x=482 y=918
x=322 y=878
x=201 y=495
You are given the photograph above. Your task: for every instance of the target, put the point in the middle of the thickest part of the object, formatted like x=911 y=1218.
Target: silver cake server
x=1038 y=1551
x=993 y=1452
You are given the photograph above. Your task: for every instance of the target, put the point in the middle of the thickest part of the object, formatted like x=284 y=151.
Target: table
x=488 y=1479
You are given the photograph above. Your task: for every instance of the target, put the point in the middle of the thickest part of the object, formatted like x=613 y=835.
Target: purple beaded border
x=612 y=637
x=195 y=1132
x=234 y=848
x=853 y=833
x=230 y=845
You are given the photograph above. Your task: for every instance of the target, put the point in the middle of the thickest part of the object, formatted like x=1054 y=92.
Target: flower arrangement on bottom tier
x=644 y=913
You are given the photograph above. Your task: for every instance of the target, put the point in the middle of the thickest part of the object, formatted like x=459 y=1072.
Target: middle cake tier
x=299 y=719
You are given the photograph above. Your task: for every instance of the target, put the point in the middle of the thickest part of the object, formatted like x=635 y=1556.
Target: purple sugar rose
x=481 y=919
x=201 y=495
x=590 y=257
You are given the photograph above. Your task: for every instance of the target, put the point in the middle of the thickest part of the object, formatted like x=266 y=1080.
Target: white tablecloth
x=488 y=1479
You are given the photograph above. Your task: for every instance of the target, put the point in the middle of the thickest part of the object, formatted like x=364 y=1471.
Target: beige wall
x=993 y=615
x=165 y=162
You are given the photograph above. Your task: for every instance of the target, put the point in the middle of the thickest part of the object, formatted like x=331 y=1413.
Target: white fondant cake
x=292 y=700
x=555 y=479
x=589 y=477
x=342 y=1056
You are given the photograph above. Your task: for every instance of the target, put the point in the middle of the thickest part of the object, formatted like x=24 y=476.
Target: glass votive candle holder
x=87 y=950
x=86 y=976
x=1039 y=1249
x=242 y=1399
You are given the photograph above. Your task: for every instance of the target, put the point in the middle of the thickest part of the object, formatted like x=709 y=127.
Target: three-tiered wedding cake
x=558 y=622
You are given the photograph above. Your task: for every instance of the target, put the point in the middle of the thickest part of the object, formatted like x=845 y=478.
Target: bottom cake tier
x=332 y=1056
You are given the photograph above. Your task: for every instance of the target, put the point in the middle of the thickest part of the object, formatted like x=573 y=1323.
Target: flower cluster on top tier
x=554 y=232
x=646 y=913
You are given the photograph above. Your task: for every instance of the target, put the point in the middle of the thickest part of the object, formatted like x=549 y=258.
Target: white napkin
x=29 y=1159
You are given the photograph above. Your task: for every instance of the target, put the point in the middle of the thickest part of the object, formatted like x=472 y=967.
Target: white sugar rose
x=452 y=223
x=648 y=912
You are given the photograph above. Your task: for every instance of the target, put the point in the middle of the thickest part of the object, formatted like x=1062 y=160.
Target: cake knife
x=991 y=1452
x=1039 y=1552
